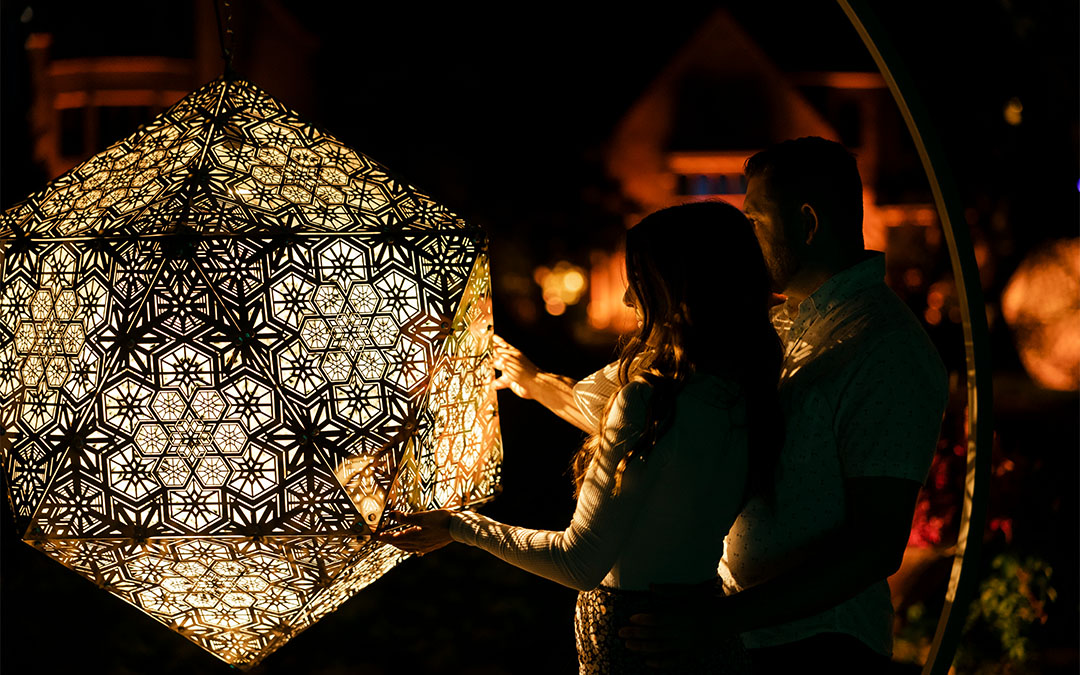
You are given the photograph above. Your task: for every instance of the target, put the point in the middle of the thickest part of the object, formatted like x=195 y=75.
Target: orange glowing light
x=935 y=299
x=1041 y=304
x=1013 y=112
x=608 y=284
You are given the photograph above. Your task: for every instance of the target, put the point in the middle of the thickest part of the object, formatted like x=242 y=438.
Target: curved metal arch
x=964 y=576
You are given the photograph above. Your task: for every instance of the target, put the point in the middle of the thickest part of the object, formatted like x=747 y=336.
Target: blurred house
x=720 y=100
x=93 y=92
x=81 y=105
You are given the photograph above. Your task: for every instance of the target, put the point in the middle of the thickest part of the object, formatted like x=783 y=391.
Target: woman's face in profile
x=630 y=301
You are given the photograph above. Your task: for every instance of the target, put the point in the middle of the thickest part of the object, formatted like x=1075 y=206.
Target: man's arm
x=886 y=429
x=867 y=548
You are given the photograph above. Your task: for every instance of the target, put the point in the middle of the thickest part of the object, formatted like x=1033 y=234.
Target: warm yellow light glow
x=562 y=285
x=574 y=281
x=228 y=345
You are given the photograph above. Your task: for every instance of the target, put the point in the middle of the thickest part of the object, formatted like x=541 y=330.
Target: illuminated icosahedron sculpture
x=228 y=345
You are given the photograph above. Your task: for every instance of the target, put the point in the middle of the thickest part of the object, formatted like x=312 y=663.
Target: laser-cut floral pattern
x=228 y=345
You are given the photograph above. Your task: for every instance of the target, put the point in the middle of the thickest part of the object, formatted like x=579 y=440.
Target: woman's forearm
x=581 y=555
x=521 y=376
x=556 y=393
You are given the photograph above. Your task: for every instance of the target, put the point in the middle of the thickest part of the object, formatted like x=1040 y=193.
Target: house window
x=705 y=184
x=116 y=122
x=73 y=132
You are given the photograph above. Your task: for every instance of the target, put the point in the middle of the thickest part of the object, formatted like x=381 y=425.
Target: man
x=863 y=391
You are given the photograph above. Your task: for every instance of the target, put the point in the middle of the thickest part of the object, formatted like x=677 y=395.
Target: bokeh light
x=1041 y=304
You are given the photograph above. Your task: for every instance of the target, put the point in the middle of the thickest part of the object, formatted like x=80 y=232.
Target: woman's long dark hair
x=696 y=275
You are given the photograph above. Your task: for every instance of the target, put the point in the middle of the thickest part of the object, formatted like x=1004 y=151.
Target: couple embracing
x=753 y=465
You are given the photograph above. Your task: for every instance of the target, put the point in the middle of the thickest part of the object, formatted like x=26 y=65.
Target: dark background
x=501 y=112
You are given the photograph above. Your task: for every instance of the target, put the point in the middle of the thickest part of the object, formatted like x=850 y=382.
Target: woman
x=692 y=433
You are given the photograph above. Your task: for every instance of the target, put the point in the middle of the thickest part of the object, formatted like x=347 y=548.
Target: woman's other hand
x=428 y=531
x=517 y=372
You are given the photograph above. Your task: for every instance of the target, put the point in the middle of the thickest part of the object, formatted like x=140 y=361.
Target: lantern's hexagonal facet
x=229 y=345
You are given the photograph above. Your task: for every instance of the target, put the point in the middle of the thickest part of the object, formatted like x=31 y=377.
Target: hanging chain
x=225 y=34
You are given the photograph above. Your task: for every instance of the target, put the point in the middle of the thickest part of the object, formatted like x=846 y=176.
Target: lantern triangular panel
x=451 y=464
x=228 y=345
x=237 y=597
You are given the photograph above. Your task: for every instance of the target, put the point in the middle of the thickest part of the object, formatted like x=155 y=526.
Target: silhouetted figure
x=689 y=430
x=863 y=391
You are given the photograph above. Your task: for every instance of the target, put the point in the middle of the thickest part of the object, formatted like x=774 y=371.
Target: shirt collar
x=843 y=286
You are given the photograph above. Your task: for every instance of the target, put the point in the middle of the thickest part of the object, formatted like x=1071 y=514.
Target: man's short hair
x=822 y=173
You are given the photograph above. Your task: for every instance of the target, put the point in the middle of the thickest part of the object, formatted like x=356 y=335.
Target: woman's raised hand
x=554 y=392
x=517 y=372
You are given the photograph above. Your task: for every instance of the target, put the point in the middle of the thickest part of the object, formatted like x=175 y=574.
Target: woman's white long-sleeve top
x=666 y=523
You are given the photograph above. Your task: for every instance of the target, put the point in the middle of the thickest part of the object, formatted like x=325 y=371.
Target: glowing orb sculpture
x=228 y=345
x=1041 y=304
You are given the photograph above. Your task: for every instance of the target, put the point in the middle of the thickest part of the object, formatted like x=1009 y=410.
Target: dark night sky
x=502 y=114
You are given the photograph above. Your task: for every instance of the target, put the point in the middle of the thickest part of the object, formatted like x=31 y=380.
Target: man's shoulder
x=872 y=335
x=878 y=319
x=894 y=355
x=896 y=330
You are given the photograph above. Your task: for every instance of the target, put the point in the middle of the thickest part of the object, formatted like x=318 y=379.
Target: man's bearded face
x=776 y=246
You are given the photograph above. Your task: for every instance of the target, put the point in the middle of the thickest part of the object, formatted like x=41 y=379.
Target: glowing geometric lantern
x=228 y=345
